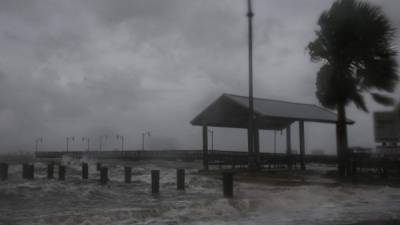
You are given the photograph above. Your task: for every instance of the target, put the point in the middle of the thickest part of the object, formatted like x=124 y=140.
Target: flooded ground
x=45 y=202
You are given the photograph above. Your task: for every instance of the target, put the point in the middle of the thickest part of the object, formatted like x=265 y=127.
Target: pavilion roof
x=232 y=111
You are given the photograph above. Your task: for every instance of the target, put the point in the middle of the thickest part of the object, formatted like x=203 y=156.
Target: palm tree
x=354 y=44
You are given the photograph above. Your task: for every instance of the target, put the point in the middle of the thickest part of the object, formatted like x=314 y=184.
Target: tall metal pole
x=251 y=104
x=143 y=135
x=143 y=141
x=122 y=147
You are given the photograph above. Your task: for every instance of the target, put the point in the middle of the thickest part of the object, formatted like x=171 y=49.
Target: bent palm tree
x=354 y=43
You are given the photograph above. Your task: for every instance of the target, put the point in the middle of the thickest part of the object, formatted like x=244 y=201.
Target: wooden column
x=257 y=146
x=288 y=148
x=302 y=145
x=205 y=147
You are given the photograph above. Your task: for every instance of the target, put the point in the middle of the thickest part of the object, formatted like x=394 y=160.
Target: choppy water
x=74 y=201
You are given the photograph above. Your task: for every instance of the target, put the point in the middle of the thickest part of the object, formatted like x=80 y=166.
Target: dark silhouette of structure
x=231 y=111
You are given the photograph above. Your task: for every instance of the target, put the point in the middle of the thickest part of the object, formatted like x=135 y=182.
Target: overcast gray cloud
x=95 y=67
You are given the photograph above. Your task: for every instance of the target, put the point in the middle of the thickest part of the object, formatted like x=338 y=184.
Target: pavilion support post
x=205 y=147
x=302 y=145
x=257 y=146
x=288 y=148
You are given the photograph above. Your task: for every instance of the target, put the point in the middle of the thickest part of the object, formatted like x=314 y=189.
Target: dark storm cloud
x=96 y=67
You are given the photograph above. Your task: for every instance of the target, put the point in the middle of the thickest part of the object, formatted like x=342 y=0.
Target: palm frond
x=382 y=99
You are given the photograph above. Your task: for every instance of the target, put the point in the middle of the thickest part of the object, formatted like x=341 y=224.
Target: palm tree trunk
x=341 y=136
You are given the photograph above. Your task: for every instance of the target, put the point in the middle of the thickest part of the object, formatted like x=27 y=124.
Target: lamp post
x=250 y=131
x=122 y=141
x=212 y=138
x=72 y=138
x=147 y=133
x=101 y=141
x=37 y=141
x=88 y=142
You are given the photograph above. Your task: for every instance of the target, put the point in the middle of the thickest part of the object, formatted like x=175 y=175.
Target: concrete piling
x=61 y=172
x=50 y=171
x=227 y=180
x=103 y=175
x=85 y=171
x=180 y=179
x=3 y=171
x=98 y=166
x=155 y=181
x=128 y=174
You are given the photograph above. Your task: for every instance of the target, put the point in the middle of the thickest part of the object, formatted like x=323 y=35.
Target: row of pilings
x=28 y=172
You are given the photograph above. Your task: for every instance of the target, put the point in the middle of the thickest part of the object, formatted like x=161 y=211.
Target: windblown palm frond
x=355 y=44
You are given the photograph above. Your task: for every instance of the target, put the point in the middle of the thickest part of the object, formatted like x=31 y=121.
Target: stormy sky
x=100 y=67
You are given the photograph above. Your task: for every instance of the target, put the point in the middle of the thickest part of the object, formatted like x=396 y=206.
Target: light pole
x=212 y=138
x=147 y=133
x=101 y=141
x=122 y=141
x=37 y=141
x=250 y=131
x=72 y=138
x=88 y=142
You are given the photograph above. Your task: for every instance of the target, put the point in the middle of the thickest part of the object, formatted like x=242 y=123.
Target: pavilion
x=231 y=111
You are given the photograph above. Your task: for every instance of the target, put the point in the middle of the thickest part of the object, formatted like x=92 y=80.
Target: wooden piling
x=24 y=170
x=103 y=175
x=98 y=166
x=155 y=181
x=50 y=171
x=85 y=171
x=180 y=179
x=128 y=174
x=227 y=180
x=3 y=171
x=61 y=172
x=28 y=171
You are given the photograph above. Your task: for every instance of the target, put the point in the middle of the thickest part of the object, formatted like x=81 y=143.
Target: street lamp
x=72 y=138
x=212 y=138
x=37 y=141
x=101 y=141
x=147 y=133
x=251 y=125
x=88 y=142
x=122 y=141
